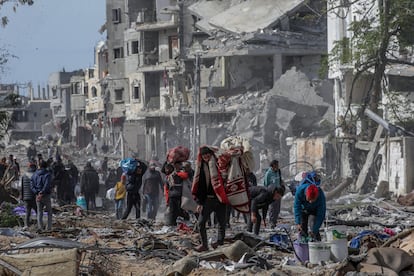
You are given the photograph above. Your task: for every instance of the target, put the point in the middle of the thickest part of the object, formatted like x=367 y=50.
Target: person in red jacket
x=174 y=191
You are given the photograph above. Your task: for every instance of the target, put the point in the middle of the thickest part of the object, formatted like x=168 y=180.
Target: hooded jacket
x=302 y=205
x=40 y=182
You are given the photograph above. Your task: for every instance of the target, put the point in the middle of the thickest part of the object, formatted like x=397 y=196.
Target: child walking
x=120 y=193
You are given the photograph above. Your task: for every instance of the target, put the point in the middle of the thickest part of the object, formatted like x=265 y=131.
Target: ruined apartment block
x=162 y=97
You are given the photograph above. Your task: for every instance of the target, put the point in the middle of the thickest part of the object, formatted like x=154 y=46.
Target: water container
x=302 y=251
x=319 y=252
x=337 y=236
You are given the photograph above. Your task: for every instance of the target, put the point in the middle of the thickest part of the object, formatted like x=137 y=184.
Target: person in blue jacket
x=310 y=206
x=273 y=176
x=40 y=184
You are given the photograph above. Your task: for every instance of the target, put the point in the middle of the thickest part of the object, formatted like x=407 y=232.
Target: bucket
x=302 y=251
x=335 y=232
x=319 y=252
x=337 y=236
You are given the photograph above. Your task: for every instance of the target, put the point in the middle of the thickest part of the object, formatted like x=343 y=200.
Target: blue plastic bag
x=128 y=165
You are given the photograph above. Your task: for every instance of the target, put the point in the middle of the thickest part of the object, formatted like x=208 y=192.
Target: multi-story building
x=172 y=63
x=393 y=156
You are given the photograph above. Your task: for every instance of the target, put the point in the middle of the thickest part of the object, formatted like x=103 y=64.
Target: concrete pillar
x=277 y=67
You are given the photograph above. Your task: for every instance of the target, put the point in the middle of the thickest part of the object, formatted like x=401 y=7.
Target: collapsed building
x=197 y=71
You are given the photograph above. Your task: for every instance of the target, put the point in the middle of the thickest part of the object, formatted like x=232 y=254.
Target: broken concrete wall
x=308 y=64
x=134 y=135
x=242 y=69
x=262 y=14
x=397 y=164
x=291 y=108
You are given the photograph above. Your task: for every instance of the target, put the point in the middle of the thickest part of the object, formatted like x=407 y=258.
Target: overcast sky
x=51 y=35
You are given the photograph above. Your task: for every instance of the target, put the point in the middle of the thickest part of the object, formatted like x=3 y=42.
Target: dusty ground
x=132 y=247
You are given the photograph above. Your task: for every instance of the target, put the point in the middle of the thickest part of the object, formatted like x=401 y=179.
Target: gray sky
x=51 y=35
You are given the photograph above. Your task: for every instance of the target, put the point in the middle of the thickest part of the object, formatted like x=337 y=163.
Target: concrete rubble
x=98 y=244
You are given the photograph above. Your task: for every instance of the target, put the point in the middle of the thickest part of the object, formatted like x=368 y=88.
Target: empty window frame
x=134 y=47
x=118 y=52
x=116 y=16
x=136 y=92
x=94 y=91
x=119 y=95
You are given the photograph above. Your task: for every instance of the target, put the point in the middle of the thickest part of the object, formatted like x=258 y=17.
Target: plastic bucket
x=302 y=251
x=335 y=232
x=319 y=252
x=336 y=235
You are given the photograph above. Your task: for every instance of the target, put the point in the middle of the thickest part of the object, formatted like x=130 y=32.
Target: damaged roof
x=247 y=16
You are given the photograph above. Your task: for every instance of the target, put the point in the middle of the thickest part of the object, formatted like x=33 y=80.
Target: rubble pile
x=98 y=244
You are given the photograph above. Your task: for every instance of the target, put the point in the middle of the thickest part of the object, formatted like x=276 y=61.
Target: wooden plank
x=370 y=158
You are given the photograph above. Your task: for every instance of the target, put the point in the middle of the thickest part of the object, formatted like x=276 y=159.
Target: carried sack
x=128 y=165
x=187 y=201
x=178 y=154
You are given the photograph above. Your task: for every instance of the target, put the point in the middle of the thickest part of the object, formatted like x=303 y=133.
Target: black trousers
x=212 y=205
x=309 y=216
x=174 y=206
x=133 y=200
x=256 y=225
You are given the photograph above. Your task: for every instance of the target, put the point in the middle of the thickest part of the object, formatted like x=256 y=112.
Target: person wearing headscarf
x=208 y=192
x=310 y=206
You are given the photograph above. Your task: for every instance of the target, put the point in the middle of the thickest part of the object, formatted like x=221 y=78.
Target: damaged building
x=385 y=162
x=194 y=72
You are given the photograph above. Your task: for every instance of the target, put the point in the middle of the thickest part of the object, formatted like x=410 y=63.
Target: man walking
x=133 y=185
x=273 y=176
x=208 y=190
x=89 y=185
x=40 y=185
x=152 y=185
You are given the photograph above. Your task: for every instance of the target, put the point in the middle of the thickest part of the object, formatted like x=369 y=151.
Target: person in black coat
x=260 y=198
x=27 y=195
x=133 y=185
x=89 y=185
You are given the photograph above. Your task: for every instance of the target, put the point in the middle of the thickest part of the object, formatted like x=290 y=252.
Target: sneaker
x=201 y=248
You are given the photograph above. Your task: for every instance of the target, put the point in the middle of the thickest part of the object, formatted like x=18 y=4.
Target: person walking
x=27 y=195
x=174 y=189
x=89 y=185
x=310 y=206
x=40 y=184
x=133 y=185
x=120 y=193
x=208 y=192
x=260 y=198
x=273 y=176
x=152 y=185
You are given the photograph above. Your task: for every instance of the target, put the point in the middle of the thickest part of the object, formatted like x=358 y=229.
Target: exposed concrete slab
x=251 y=15
x=206 y=10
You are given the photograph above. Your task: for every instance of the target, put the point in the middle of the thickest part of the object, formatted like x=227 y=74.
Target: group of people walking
x=151 y=180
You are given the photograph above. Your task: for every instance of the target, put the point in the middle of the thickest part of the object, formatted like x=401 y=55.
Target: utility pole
x=196 y=104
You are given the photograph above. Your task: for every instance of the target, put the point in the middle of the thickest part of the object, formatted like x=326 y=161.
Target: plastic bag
x=110 y=194
x=128 y=165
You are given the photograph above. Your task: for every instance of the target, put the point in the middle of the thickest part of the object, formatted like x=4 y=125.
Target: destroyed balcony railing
x=146 y=16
